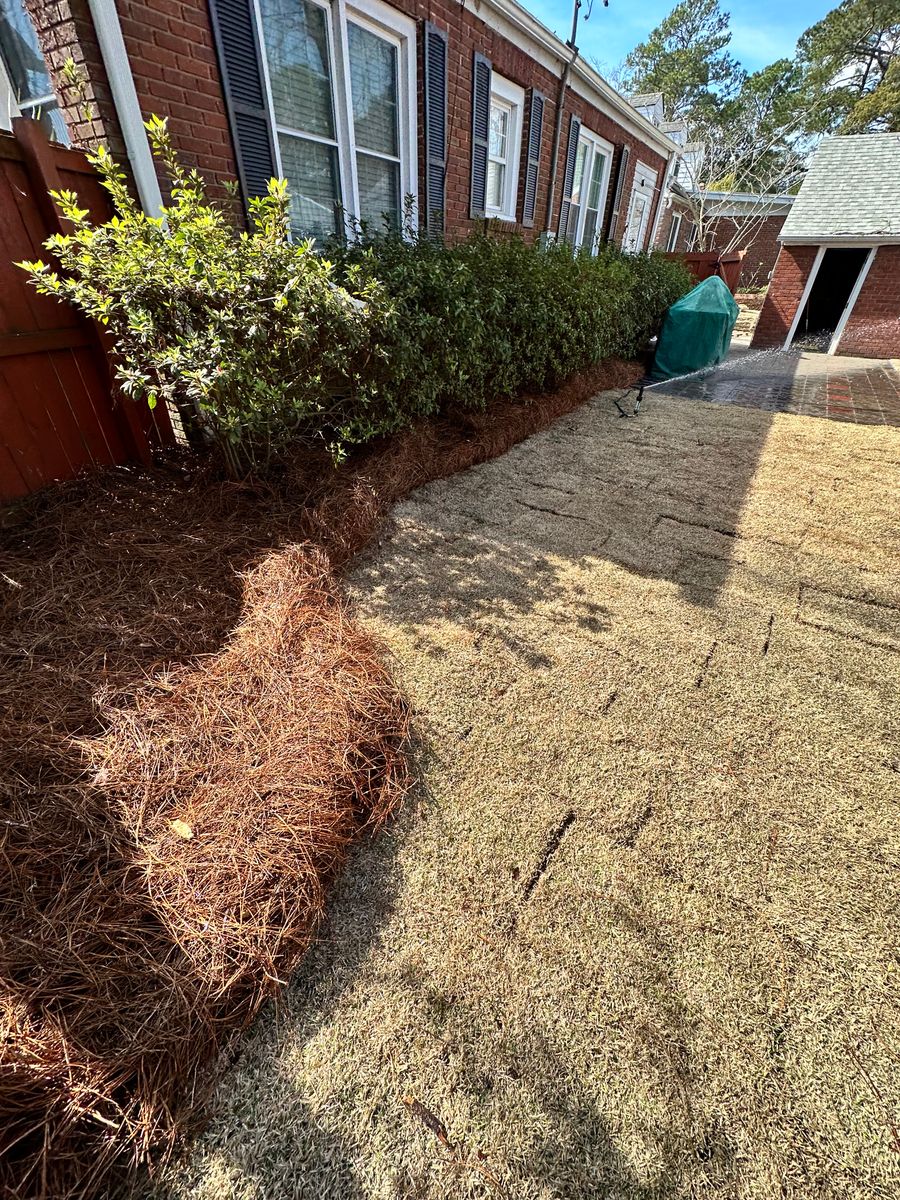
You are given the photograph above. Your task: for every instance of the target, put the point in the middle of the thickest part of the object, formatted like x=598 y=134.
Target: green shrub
x=247 y=334
x=492 y=317
x=261 y=343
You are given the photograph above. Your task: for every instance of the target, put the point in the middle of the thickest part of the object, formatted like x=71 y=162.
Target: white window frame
x=8 y=106
x=674 y=232
x=393 y=27
x=595 y=144
x=509 y=96
x=644 y=183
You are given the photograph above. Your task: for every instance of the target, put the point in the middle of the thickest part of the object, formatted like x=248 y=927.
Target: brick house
x=731 y=220
x=676 y=229
x=470 y=110
x=836 y=284
x=751 y=222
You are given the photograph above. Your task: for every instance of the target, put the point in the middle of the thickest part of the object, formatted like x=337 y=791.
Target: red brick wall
x=65 y=30
x=468 y=33
x=173 y=60
x=665 y=226
x=785 y=291
x=176 y=75
x=760 y=249
x=873 y=327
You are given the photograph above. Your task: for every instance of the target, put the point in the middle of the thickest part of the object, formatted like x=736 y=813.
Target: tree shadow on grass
x=660 y=496
x=273 y=1136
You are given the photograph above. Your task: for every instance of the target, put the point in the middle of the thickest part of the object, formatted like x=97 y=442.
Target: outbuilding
x=836 y=285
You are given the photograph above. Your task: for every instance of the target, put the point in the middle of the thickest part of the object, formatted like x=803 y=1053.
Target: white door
x=642 y=191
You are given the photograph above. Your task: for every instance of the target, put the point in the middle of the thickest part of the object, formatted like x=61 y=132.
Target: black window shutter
x=481 y=120
x=617 y=193
x=532 y=166
x=435 y=52
x=569 y=175
x=240 y=64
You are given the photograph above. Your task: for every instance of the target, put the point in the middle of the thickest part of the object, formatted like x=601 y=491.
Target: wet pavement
x=862 y=390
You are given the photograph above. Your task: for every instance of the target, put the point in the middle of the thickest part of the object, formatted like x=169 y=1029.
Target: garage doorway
x=828 y=301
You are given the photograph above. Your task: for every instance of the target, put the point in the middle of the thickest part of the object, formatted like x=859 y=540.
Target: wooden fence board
x=58 y=413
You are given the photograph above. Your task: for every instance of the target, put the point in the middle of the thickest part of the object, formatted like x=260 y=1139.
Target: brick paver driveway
x=863 y=390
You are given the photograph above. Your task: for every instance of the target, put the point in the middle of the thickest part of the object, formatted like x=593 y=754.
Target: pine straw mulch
x=194 y=731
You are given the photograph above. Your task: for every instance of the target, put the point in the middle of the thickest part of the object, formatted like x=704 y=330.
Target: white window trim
x=674 y=232
x=506 y=94
x=393 y=26
x=8 y=106
x=644 y=182
x=600 y=144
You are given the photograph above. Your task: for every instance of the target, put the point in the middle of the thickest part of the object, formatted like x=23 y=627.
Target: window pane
x=590 y=230
x=22 y=53
x=299 y=71
x=379 y=190
x=496 y=174
x=571 y=232
x=499 y=132
x=311 y=170
x=579 y=172
x=597 y=169
x=373 y=84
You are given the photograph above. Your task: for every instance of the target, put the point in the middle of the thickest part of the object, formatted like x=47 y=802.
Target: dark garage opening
x=838 y=272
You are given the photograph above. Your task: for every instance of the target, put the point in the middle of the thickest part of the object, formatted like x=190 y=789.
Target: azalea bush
x=247 y=334
x=261 y=342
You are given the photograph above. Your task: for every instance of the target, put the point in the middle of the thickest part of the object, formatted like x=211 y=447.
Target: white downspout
x=128 y=110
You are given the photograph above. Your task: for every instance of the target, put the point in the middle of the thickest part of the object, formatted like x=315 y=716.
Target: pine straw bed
x=194 y=731
x=636 y=934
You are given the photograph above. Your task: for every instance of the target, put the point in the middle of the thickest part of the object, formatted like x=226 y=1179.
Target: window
x=341 y=90
x=674 y=232
x=589 y=188
x=504 y=143
x=22 y=65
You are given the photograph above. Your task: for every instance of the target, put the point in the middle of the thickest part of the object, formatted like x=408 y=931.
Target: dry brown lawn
x=637 y=934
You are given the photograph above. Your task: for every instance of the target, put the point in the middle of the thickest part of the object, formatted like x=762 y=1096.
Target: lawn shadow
x=269 y=1138
x=659 y=495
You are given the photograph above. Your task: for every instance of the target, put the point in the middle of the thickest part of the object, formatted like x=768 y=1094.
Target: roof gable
x=852 y=190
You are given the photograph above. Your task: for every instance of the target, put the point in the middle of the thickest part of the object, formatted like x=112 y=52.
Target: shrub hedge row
x=271 y=342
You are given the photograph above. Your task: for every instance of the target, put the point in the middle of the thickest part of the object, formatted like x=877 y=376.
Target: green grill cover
x=697 y=330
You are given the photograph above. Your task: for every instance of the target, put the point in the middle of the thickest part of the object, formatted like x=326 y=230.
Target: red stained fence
x=702 y=265
x=58 y=411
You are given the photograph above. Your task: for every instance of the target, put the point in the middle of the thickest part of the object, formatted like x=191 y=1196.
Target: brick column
x=65 y=30
x=785 y=292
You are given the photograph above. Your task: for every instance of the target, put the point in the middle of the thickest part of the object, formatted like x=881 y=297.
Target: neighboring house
x=751 y=222
x=727 y=220
x=837 y=280
x=472 y=109
x=676 y=230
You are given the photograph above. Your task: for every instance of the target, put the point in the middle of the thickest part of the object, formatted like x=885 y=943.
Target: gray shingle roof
x=852 y=189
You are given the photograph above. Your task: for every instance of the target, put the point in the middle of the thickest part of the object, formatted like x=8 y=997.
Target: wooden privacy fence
x=59 y=413
x=725 y=264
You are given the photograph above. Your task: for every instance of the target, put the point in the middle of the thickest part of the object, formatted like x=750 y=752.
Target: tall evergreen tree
x=686 y=58
x=849 y=59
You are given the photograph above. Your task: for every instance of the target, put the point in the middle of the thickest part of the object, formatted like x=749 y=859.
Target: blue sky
x=762 y=30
